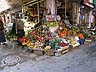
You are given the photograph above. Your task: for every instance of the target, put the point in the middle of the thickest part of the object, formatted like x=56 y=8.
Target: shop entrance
x=64 y=9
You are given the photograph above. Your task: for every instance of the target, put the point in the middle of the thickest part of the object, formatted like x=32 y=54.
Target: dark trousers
x=2 y=37
x=21 y=33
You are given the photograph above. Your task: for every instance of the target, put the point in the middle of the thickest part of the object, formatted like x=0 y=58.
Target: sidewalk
x=81 y=60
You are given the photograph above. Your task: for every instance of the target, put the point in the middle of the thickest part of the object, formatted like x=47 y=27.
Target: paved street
x=47 y=35
x=78 y=60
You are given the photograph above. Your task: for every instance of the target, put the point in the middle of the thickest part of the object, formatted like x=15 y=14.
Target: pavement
x=77 y=60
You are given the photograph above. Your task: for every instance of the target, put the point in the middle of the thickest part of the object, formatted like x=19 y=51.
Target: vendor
x=19 y=27
x=81 y=38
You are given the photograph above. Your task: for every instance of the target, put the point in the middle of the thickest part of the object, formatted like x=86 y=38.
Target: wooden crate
x=63 y=51
x=76 y=47
x=86 y=43
x=50 y=52
x=70 y=47
x=39 y=52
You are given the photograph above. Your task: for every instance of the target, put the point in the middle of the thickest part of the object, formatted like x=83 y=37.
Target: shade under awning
x=4 y=5
x=31 y=3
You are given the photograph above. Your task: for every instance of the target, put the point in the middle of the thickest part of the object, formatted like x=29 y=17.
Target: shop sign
x=53 y=18
x=89 y=3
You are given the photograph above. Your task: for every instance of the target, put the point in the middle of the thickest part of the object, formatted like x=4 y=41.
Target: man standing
x=19 y=27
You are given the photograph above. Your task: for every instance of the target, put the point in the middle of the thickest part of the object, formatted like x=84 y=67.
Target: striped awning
x=88 y=3
x=4 y=5
x=32 y=2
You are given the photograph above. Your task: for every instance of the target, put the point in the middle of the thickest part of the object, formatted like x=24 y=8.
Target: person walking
x=2 y=36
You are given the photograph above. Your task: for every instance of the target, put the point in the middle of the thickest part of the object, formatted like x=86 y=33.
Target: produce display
x=41 y=38
x=10 y=37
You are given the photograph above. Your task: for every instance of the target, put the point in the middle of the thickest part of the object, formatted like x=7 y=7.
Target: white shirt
x=91 y=18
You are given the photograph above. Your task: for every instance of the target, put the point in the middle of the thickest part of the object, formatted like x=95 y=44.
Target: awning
x=33 y=2
x=4 y=5
x=87 y=3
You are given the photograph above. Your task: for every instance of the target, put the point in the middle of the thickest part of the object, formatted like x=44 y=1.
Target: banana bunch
x=30 y=44
x=47 y=48
x=73 y=41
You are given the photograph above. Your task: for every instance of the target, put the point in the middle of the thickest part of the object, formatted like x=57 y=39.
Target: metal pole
x=38 y=10
x=65 y=9
x=22 y=10
x=22 y=6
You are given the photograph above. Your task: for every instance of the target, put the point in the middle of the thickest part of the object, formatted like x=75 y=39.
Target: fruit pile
x=10 y=37
x=26 y=42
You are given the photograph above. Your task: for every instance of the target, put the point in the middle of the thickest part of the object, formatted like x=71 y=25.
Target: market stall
x=48 y=34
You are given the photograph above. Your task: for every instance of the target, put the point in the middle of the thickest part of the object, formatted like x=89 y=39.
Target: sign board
x=53 y=18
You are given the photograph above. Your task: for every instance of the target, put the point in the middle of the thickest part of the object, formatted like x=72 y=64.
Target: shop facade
x=67 y=9
x=86 y=13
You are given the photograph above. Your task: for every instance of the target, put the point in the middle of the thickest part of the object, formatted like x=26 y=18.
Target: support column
x=50 y=5
x=38 y=11
x=78 y=15
x=74 y=11
x=91 y=19
x=65 y=9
